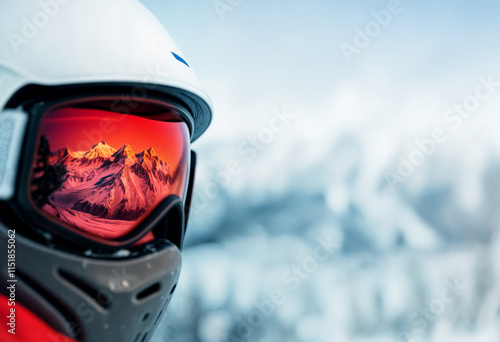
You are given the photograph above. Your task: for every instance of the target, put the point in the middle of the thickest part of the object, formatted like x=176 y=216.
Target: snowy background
x=415 y=236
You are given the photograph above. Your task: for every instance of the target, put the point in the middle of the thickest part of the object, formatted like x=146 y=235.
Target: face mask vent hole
x=173 y=289
x=159 y=317
x=100 y=297
x=148 y=291
x=145 y=317
x=65 y=315
x=139 y=339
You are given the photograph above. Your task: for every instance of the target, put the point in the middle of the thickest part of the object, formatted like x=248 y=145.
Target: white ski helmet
x=70 y=42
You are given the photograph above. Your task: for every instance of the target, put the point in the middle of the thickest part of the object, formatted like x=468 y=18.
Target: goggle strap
x=189 y=193
x=12 y=130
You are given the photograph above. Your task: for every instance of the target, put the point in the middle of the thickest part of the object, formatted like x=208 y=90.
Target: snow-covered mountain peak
x=101 y=149
x=125 y=153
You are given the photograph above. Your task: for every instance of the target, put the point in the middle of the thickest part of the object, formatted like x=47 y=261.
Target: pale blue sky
x=287 y=52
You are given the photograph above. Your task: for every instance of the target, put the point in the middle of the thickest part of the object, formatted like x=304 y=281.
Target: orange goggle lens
x=102 y=171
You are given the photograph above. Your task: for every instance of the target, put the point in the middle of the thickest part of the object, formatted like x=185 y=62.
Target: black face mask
x=94 y=295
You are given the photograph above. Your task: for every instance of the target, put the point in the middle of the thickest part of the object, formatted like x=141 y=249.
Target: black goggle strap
x=189 y=194
x=13 y=124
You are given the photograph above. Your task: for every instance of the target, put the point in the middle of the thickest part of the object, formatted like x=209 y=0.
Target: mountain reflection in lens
x=107 y=189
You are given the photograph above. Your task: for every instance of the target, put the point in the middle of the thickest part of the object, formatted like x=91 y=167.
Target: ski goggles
x=100 y=167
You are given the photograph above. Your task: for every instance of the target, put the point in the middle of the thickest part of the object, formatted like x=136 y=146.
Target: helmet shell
x=70 y=42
